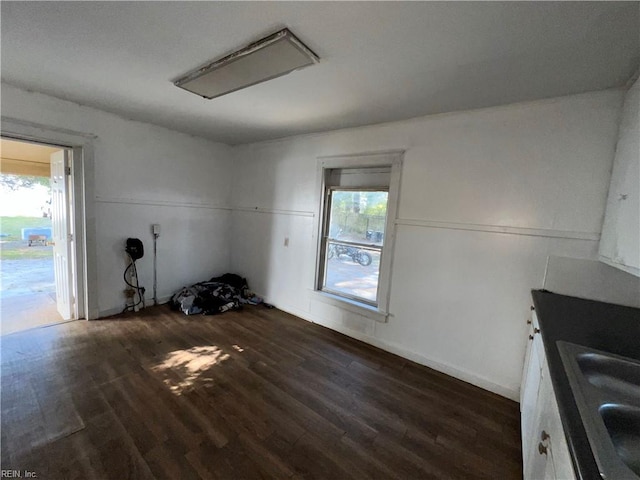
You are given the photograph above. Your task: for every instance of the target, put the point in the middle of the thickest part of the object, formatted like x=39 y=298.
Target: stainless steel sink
x=623 y=425
x=615 y=374
x=606 y=388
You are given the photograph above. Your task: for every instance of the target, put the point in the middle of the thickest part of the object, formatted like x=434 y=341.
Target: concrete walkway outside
x=347 y=276
x=27 y=294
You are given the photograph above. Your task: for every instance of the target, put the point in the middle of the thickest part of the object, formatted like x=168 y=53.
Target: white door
x=60 y=221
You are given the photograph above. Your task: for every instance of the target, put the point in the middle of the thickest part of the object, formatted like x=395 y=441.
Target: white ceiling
x=380 y=61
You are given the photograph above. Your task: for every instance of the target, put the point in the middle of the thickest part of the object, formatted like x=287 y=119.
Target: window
x=354 y=239
x=356 y=228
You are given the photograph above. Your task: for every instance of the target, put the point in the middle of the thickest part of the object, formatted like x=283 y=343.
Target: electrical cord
x=138 y=289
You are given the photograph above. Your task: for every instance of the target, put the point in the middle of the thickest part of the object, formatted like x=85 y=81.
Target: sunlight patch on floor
x=183 y=368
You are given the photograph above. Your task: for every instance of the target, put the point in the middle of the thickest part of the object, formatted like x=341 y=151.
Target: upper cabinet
x=620 y=240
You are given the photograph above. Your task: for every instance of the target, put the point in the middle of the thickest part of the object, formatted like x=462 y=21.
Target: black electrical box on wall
x=134 y=248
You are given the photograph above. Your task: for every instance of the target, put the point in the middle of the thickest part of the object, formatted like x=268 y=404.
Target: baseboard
x=448 y=369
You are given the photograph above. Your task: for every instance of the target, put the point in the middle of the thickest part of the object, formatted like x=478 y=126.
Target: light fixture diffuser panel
x=271 y=57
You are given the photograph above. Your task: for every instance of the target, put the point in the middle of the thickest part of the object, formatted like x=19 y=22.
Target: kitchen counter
x=603 y=326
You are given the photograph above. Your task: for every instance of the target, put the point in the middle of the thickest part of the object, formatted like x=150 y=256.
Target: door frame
x=82 y=205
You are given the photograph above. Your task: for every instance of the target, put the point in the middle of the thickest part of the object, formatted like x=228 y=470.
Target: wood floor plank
x=256 y=393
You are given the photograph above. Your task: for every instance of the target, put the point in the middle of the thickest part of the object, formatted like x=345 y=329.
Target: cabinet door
x=545 y=454
x=529 y=401
x=528 y=407
x=549 y=456
x=541 y=456
x=539 y=466
x=542 y=466
x=550 y=468
x=562 y=463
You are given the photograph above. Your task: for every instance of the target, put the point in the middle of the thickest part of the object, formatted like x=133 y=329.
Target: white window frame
x=325 y=164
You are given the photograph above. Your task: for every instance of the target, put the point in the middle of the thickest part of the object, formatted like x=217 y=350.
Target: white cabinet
x=530 y=389
x=620 y=239
x=545 y=454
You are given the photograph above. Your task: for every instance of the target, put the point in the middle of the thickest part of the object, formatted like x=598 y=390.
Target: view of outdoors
x=356 y=234
x=26 y=270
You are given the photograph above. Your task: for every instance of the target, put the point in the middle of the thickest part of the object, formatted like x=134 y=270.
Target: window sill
x=353 y=306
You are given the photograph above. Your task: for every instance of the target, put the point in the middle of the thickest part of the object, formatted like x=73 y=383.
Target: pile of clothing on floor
x=218 y=295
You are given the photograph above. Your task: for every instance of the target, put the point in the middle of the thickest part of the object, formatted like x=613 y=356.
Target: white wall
x=620 y=244
x=143 y=175
x=486 y=196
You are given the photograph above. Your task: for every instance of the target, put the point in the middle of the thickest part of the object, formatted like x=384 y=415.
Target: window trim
x=390 y=158
x=350 y=305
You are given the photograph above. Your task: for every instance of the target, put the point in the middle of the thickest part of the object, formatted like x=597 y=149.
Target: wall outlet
x=155 y=228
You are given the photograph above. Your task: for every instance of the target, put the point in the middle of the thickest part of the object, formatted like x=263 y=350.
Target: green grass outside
x=12 y=226
x=10 y=252
x=12 y=247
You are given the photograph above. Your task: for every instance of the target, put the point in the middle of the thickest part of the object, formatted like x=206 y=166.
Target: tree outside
x=25 y=202
x=16 y=182
x=358 y=215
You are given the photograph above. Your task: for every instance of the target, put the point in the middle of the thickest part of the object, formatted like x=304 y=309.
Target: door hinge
x=67 y=170
x=70 y=237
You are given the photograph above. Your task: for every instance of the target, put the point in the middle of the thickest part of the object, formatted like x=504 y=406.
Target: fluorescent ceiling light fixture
x=270 y=57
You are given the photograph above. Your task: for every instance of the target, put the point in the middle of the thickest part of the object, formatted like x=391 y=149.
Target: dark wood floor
x=251 y=394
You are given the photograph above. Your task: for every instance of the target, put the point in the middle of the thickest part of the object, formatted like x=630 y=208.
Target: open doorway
x=38 y=276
